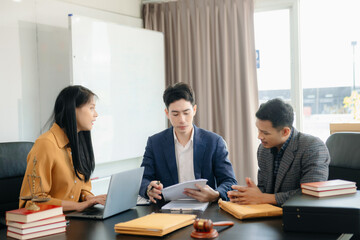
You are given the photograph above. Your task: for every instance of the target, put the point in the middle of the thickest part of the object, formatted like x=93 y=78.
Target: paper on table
x=175 y=192
x=185 y=205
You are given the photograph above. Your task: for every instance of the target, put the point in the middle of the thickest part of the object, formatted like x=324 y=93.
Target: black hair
x=279 y=113
x=178 y=91
x=67 y=101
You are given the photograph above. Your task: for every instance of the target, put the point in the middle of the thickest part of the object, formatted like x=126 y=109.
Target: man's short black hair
x=178 y=91
x=279 y=113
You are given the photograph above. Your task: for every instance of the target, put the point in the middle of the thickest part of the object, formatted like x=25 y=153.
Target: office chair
x=344 y=149
x=12 y=168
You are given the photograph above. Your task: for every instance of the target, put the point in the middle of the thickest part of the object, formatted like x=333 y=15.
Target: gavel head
x=203 y=225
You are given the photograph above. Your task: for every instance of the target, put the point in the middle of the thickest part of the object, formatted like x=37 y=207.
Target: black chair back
x=344 y=149
x=12 y=169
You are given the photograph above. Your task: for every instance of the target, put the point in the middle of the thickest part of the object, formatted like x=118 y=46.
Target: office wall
x=125 y=7
x=125 y=67
x=34 y=47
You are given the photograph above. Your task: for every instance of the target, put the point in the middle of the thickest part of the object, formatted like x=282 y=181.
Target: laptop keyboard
x=142 y=201
x=92 y=211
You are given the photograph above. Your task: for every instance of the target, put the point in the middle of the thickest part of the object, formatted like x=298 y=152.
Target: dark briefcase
x=337 y=214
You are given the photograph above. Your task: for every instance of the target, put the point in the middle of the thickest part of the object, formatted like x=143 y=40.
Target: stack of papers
x=180 y=201
x=175 y=192
x=250 y=211
x=156 y=224
x=185 y=205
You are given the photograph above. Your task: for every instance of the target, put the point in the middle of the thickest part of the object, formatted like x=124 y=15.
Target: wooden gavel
x=204 y=228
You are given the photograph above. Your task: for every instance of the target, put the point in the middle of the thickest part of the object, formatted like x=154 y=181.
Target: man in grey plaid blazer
x=286 y=158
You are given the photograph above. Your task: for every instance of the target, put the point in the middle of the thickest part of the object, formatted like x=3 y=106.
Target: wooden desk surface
x=265 y=228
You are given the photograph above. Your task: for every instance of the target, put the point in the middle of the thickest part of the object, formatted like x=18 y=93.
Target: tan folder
x=250 y=211
x=156 y=224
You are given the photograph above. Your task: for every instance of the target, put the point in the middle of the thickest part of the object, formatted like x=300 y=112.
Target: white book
x=328 y=185
x=37 y=229
x=36 y=223
x=329 y=193
x=36 y=234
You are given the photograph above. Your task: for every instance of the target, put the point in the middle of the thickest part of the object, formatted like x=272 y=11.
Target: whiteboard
x=124 y=67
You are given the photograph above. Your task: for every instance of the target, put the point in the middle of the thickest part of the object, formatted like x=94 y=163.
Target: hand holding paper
x=176 y=192
x=202 y=194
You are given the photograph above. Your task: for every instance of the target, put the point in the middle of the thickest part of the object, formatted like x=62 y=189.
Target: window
x=329 y=33
x=325 y=34
x=272 y=44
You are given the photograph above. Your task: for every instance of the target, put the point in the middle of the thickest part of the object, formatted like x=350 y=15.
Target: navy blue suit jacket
x=210 y=161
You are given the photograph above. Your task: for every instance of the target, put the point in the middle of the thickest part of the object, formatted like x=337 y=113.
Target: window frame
x=294 y=21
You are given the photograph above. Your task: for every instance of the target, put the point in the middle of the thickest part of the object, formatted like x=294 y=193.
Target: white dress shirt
x=185 y=159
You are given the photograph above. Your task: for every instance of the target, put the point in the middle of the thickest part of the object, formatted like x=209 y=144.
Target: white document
x=185 y=205
x=175 y=192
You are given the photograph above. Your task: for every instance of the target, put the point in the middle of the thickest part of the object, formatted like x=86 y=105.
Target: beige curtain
x=210 y=45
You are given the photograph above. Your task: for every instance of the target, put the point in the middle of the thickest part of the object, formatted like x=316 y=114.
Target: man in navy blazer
x=185 y=152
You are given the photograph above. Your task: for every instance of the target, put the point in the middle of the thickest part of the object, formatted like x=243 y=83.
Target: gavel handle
x=223 y=223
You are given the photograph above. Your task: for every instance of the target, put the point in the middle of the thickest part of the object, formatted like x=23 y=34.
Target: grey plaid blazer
x=306 y=159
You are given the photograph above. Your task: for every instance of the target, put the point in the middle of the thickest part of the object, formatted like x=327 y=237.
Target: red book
x=24 y=215
x=36 y=234
x=328 y=185
x=45 y=221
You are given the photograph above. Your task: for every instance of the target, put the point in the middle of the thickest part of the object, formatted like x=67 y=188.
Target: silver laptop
x=122 y=195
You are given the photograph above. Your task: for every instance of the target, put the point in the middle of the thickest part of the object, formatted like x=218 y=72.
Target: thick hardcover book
x=156 y=224
x=26 y=216
x=329 y=193
x=36 y=234
x=250 y=211
x=45 y=221
x=328 y=185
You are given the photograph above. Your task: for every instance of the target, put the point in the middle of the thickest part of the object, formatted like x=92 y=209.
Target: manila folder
x=156 y=224
x=250 y=211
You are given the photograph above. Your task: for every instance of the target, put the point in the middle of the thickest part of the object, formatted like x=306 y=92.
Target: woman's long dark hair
x=67 y=101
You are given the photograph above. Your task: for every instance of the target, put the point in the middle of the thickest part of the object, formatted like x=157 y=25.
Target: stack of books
x=328 y=188
x=26 y=224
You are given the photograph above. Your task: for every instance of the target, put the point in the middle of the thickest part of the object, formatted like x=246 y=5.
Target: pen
x=157 y=183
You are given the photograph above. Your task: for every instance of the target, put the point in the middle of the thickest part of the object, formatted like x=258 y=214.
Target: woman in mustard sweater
x=64 y=158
